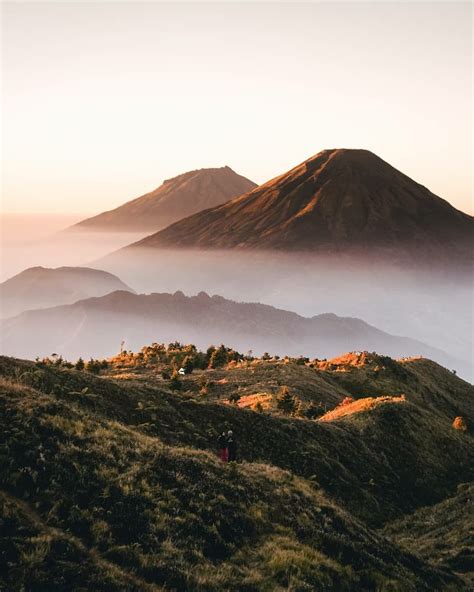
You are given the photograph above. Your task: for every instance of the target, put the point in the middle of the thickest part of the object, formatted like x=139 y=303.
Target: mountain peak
x=177 y=198
x=337 y=200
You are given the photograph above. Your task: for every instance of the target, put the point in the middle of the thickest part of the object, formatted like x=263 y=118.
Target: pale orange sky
x=103 y=101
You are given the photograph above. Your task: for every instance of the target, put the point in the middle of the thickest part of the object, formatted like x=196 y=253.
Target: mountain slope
x=443 y=533
x=96 y=327
x=337 y=200
x=120 y=482
x=41 y=287
x=176 y=198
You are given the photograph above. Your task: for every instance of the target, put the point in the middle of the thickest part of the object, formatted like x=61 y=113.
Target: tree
x=301 y=361
x=93 y=366
x=209 y=352
x=219 y=357
x=188 y=365
x=175 y=382
x=312 y=411
x=288 y=403
x=234 y=398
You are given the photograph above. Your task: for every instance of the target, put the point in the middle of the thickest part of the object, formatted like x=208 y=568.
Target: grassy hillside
x=114 y=482
x=442 y=534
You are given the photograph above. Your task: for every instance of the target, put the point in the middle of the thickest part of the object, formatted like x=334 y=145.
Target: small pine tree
x=288 y=403
x=219 y=358
x=80 y=364
x=301 y=361
x=234 y=398
x=175 y=382
x=312 y=411
x=188 y=365
x=93 y=366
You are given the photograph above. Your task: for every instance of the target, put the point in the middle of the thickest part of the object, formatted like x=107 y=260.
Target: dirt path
x=132 y=581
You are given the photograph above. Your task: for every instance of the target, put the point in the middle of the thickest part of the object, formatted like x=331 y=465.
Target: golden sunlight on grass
x=263 y=400
x=348 y=407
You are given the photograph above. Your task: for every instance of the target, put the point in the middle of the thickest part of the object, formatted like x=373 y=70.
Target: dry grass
x=359 y=406
x=253 y=401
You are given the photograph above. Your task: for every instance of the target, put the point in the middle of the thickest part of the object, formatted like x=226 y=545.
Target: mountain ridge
x=96 y=326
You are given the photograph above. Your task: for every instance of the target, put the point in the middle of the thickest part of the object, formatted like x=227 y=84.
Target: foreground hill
x=41 y=287
x=176 y=198
x=337 y=201
x=443 y=534
x=116 y=486
x=96 y=327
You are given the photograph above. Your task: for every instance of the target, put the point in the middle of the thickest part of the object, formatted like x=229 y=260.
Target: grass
x=442 y=534
x=117 y=482
x=360 y=406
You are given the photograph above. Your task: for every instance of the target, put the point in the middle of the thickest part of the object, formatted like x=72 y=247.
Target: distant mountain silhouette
x=41 y=287
x=96 y=327
x=176 y=198
x=339 y=200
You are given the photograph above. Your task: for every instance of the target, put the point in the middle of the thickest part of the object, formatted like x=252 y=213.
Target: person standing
x=222 y=445
x=231 y=447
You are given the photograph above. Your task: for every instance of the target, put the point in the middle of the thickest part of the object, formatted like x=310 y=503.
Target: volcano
x=176 y=198
x=339 y=200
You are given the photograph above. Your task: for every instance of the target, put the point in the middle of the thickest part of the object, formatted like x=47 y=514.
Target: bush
x=188 y=365
x=175 y=382
x=93 y=366
x=346 y=401
x=459 y=423
x=219 y=358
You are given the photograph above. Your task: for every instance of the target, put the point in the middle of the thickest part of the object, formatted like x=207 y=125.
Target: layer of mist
x=32 y=240
x=432 y=305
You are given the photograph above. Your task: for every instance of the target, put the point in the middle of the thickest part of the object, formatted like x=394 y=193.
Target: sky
x=102 y=101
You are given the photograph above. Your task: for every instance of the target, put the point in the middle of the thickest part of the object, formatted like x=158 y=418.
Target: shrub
x=313 y=410
x=93 y=366
x=459 y=423
x=188 y=365
x=175 y=382
x=234 y=398
x=219 y=357
x=346 y=401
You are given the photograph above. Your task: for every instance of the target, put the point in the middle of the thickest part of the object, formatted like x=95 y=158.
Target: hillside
x=42 y=287
x=175 y=199
x=96 y=327
x=444 y=532
x=114 y=484
x=337 y=201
